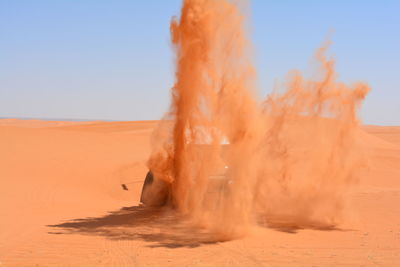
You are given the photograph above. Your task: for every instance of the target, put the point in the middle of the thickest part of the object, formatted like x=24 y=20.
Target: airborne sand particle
x=291 y=157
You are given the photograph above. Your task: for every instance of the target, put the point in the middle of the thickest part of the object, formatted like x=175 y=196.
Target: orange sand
x=61 y=204
x=294 y=161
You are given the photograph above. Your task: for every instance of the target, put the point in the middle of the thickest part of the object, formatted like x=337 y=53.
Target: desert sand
x=303 y=182
x=62 y=204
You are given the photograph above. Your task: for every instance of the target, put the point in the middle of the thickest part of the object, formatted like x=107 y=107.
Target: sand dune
x=61 y=204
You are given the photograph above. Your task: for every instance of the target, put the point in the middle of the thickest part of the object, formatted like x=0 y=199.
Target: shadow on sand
x=161 y=226
x=292 y=227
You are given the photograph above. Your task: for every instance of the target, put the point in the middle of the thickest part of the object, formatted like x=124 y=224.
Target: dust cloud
x=233 y=161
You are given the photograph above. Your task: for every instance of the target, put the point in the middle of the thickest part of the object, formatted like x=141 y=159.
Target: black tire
x=148 y=181
x=155 y=193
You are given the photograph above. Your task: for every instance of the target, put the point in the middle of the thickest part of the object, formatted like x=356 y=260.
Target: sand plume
x=290 y=157
x=309 y=151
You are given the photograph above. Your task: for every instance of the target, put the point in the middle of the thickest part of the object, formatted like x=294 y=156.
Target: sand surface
x=61 y=204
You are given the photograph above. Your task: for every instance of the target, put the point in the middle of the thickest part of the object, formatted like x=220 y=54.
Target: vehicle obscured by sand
x=61 y=204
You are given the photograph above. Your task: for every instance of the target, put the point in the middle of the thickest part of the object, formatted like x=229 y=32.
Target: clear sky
x=112 y=60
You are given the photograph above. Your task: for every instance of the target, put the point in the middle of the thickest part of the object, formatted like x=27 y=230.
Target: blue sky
x=112 y=60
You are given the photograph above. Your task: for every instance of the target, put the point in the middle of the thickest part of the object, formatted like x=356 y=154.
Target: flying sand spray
x=290 y=157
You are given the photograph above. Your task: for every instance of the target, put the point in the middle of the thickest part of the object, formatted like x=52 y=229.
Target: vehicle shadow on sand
x=161 y=226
